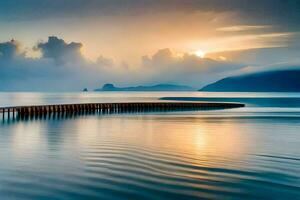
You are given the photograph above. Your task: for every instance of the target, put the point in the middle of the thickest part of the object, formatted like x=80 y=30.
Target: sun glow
x=200 y=53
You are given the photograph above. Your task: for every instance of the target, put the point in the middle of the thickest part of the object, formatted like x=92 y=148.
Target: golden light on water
x=194 y=137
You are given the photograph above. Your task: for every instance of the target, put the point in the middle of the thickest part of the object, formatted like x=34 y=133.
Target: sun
x=200 y=53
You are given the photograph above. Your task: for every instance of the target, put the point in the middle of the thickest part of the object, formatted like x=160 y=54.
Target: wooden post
x=8 y=113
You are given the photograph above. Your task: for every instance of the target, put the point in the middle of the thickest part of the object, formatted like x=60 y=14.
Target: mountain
x=159 y=87
x=271 y=81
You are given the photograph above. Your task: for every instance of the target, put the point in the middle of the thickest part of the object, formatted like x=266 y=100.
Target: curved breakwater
x=26 y=111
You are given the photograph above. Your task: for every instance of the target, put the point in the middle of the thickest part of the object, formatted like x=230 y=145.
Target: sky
x=64 y=45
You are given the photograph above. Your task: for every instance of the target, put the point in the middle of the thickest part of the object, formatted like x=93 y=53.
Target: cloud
x=105 y=62
x=166 y=66
x=259 y=56
x=59 y=67
x=186 y=25
x=264 y=68
x=62 y=67
x=60 y=51
x=9 y=50
x=242 y=28
x=259 y=11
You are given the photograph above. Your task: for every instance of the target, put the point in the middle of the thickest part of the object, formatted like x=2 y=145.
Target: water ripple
x=153 y=158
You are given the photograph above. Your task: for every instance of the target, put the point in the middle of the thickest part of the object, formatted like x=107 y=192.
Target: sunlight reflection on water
x=232 y=154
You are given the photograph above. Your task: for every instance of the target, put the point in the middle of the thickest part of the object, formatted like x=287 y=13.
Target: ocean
x=242 y=153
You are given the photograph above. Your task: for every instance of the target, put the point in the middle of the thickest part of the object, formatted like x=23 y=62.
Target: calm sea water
x=244 y=153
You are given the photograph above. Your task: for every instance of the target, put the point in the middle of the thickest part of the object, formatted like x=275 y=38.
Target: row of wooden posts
x=111 y=108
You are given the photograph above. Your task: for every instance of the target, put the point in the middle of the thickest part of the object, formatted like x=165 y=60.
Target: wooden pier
x=107 y=108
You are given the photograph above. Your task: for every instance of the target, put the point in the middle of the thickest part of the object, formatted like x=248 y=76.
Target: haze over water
x=245 y=153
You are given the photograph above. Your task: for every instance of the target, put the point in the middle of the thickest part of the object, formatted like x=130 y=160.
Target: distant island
x=271 y=81
x=159 y=87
